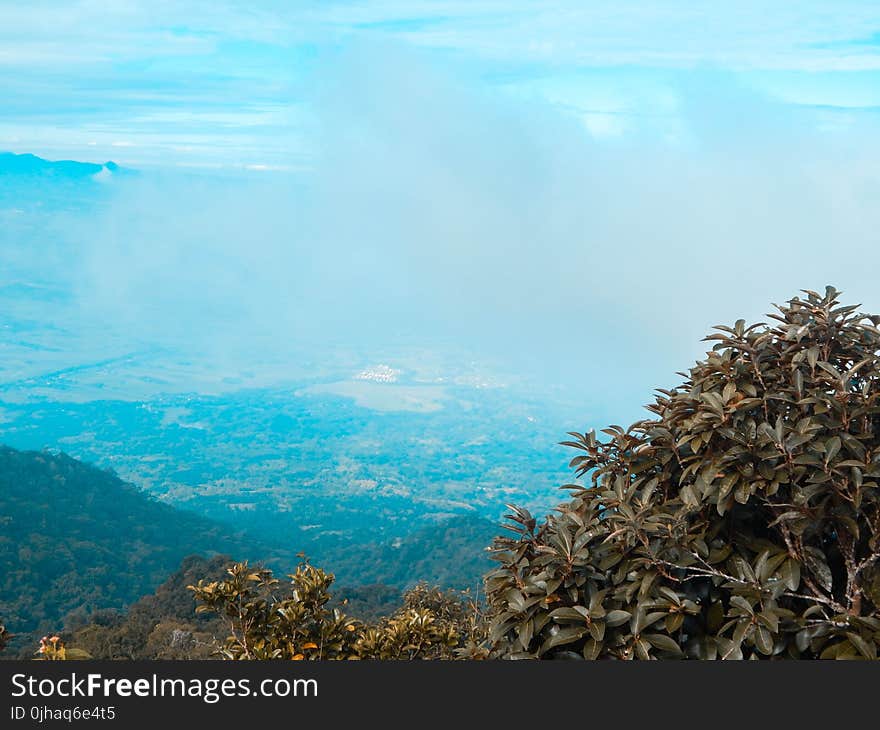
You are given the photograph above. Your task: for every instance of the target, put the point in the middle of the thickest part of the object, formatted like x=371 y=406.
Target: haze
x=428 y=177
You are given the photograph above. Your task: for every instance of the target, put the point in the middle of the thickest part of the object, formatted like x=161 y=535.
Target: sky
x=233 y=83
x=580 y=189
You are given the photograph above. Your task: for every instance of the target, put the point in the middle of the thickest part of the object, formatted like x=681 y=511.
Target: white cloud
x=746 y=34
x=443 y=211
x=226 y=77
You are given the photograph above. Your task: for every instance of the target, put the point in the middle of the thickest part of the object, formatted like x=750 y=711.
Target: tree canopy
x=741 y=521
x=272 y=619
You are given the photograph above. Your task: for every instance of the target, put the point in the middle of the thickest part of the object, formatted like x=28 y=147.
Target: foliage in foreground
x=742 y=521
x=262 y=617
x=52 y=648
x=5 y=636
x=271 y=619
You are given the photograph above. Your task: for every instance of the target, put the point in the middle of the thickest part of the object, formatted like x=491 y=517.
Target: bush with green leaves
x=431 y=624
x=269 y=619
x=5 y=636
x=267 y=622
x=741 y=520
x=52 y=648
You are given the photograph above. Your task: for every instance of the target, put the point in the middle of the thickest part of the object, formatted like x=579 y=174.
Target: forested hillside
x=161 y=625
x=451 y=554
x=77 y=542
x=75 y=539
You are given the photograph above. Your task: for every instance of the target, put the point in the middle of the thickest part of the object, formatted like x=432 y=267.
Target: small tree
x=5 y=636
x=741 y=521
x=431 y=624
x=266 y=623
x=271 y=620
x=52 y=648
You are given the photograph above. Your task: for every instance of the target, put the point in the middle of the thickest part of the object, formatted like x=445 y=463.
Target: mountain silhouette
x=31 y=165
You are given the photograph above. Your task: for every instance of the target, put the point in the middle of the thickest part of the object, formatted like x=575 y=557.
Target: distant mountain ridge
x=31 y=165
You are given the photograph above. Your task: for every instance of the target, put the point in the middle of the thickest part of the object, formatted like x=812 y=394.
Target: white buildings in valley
x=379 y=374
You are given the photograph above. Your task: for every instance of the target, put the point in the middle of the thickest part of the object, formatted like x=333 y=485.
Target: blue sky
x=579 y=190
x=222 y=83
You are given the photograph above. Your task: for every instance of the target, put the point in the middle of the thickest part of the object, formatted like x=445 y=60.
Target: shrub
x=740 y=521
x=431 y=624
x=5 y=636
x=52 y=649
x=267 y=624
x=271 y=620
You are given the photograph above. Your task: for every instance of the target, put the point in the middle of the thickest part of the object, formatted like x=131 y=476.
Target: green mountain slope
x=74 y=539
x=451 y=554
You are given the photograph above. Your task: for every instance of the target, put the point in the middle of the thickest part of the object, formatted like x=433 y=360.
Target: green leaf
x=566 y=614
x=664 y=643
x=791 y=574
x=832 y=447
x=866 y=649
x=591 y=649
x=763 y=640
x=818 y=566
x=525 y=633
x=616 y=618
x=564 y=636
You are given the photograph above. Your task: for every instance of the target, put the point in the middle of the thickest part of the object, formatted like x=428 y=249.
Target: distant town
x=379 y=374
